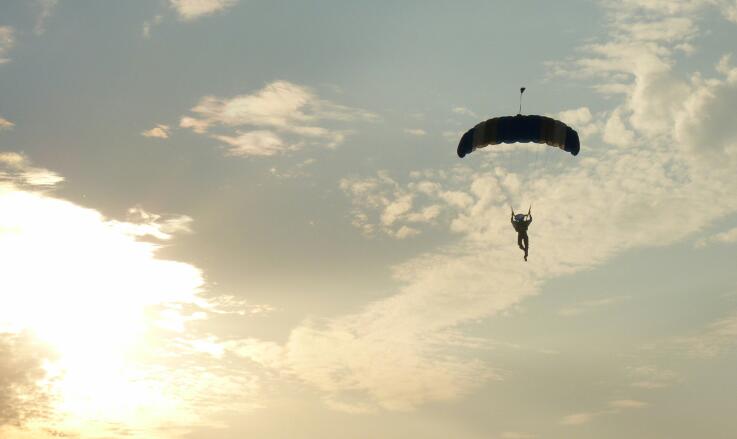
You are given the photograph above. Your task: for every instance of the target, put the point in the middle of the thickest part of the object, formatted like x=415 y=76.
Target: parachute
x=520 y=128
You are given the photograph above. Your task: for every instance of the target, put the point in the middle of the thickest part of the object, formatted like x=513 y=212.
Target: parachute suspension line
x=521 y=90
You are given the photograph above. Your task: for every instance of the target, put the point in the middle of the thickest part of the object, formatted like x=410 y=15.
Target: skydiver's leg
x=526 y=241
x=520 y=238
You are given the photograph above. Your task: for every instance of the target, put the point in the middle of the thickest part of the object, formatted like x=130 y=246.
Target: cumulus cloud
x=24 y=392
x=160 y=131
x=113 y=314
x=382 y=204
x=189 y=10
x=7 y=41
x=264 y=119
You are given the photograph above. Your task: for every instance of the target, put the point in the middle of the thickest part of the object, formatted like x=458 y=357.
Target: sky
x=242 y=218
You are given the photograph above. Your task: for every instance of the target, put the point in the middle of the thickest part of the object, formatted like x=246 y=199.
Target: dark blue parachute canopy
x=519 y=128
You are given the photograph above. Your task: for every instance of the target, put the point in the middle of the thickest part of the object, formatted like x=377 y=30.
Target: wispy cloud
x=17 y=169
x=149 y=24
x=615 y=407
x=280 y=117
x=5 y=124
x=7 y=41
x=415 y=131
x=727 y=237
x=463 y=111
x=627 y=404
x=652 y=377
x=579 y=418
x=189 y=10
x=714 y=340
x=46 y=9
x=160 y=131
x=581 y=307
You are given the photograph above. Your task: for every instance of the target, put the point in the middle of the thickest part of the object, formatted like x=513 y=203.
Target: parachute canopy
x=519 y=128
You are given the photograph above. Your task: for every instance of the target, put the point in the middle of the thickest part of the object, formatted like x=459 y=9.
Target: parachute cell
x=519 y=128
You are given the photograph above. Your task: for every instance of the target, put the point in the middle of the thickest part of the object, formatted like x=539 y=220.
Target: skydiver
x=520 y=222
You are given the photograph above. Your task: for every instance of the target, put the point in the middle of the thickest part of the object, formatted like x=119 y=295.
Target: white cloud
x=189 y=10
x=112 y=313
x=160 y=131
x=5 y=124
x=463 y=111
x=415 y=131
x=254 y=143
x=17 y=169
x=7 y=41
x=627 y=404
x=23 y=392
x=280 y=109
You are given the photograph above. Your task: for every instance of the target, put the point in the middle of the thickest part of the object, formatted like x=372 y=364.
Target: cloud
x=149 y=24
x=585 y=305
x=627 y=404
x=254 y=143
x=160 y=131
x=7 y=41
x=415 y=131
x=265 y=118
x=17 y=169
x=189 y=10
x=717 y=338
x=381 y=204
x=23 y=393
x=728 y=237
x=46 y=8
x=113 y=315
x=652 y=377
x=463 y=111
x=672 y=178
x=579 y=418
x=5 y=124
x=616 y=407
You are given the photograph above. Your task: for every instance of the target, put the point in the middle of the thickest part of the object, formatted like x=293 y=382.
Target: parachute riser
x=521 y=90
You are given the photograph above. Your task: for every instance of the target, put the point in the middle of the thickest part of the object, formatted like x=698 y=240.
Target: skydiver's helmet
x=519 y=217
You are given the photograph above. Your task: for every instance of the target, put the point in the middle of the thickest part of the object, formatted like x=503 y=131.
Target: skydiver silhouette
x=520 y=222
